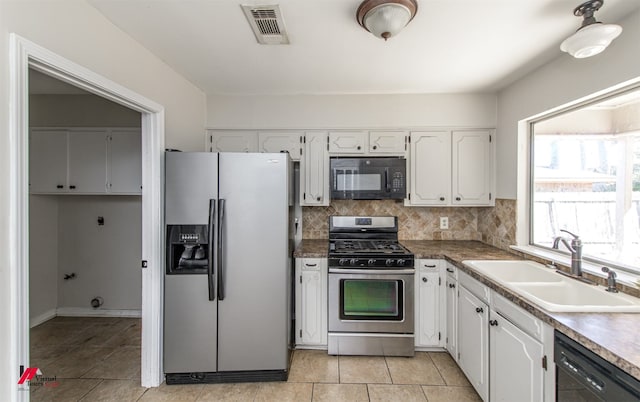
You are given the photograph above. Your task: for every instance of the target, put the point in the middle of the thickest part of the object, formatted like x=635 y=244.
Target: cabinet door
x=311 y=301
x=315 y=170
x=347 y=142
x=387 y=142
x=88 y=162
x=233 y=141
x=473 y=340
x=125 y=162
x=472 y=167
x=452 y=317
x=48 y=161
x=430 y=171
x=279 y=142
x=515 y=362
x=428 y=306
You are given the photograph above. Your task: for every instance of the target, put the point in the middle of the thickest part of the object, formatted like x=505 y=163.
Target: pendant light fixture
x=592 y=37
x=386 y=18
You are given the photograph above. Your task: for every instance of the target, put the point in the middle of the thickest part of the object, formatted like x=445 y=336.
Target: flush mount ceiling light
x=592 y=37
x=386 y=18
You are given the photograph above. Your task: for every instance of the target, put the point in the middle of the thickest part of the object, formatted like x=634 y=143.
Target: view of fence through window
x=586 y=179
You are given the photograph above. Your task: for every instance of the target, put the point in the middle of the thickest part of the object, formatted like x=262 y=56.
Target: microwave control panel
x=397 y=182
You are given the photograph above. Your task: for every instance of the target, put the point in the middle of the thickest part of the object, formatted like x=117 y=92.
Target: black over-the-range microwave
x=368 y=178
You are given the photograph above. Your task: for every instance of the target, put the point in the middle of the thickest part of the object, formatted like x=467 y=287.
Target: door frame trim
x=25 y=54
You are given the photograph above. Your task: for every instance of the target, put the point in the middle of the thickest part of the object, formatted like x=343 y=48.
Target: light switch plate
x=444 y=222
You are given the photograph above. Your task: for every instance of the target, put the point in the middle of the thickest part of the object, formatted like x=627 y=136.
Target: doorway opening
x=27 y=55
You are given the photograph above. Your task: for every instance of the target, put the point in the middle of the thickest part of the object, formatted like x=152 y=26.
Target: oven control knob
x=353 y=261
x=389 y=262
x=400 y=262
x=371 y=262
x=342 y=261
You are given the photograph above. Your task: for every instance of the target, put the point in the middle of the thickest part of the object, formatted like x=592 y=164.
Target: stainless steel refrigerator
x=228 y=278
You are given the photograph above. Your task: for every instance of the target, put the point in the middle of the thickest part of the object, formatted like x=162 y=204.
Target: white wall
x=105 y=259
x=43 y=256
x=559 y=82
x=347 y=111
x=75 y=30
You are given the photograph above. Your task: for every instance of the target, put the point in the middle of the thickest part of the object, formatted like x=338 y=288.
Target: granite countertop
x=612 y=336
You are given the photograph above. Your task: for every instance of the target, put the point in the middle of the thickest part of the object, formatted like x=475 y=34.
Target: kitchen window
x=585 y=178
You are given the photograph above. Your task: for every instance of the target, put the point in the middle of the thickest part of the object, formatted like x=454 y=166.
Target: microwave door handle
x=210 y=277
x=386 y=181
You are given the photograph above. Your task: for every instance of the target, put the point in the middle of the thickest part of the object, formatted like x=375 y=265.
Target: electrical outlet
x=444 y=222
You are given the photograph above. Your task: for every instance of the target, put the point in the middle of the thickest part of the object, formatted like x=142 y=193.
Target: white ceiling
x=452 y=46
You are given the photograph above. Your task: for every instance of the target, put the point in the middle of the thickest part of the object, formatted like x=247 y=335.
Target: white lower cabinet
x=451 y=307
x=473 y=340
x=311 y=302
x=515 y=361
x=429 y=303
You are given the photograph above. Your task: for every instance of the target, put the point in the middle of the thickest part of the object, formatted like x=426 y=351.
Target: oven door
x=368 y=301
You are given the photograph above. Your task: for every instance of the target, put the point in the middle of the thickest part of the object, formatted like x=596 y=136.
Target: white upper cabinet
x=125 y=175
x=387 y=142
x=472 y=167
x=85 y=161
x=450 y=168
x=430 y=168
x=88 y=162
x=48 y=161
x=290 y=142
x=232 y=141
x=347 y=142
x=314 y=170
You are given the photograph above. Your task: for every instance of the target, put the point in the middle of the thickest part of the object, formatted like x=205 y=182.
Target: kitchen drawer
x=476 y=288
x=428 y=265
x=516 y=315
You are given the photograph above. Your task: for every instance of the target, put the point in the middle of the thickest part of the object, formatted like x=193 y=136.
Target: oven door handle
x=371 y=271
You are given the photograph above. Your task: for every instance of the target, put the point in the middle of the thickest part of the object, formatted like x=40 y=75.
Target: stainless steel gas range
x=371 y=278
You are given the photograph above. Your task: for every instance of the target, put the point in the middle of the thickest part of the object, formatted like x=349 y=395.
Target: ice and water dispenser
x=187 y=249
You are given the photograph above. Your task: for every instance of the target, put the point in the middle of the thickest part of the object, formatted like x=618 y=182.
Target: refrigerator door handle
x=221 y=249
x=210 y=277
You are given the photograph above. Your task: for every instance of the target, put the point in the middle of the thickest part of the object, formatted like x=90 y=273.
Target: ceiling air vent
x=267 y=24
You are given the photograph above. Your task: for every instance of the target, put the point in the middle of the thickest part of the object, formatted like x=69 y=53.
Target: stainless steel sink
x=552 y=291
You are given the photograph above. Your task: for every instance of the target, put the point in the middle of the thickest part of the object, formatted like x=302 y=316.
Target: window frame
x=530 y=175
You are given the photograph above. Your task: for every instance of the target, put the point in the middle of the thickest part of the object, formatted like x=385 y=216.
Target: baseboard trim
x=89 y=312
x=44 y=317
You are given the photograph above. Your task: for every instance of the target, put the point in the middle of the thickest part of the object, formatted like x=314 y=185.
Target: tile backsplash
x=492 y=225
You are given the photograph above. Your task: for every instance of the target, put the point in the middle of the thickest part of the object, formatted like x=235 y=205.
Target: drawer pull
x=479 y=310
x=429 y=266
x=310 y=265
x=450 y=270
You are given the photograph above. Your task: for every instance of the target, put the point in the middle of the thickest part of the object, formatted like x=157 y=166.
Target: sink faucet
x=611 y=279
x=575 y=247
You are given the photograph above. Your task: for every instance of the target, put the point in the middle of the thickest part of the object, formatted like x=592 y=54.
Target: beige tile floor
x=98 y=359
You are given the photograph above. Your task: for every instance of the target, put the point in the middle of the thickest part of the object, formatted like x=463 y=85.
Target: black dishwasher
x=581 y=375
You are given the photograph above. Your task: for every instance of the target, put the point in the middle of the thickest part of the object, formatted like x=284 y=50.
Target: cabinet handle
x=59 y=186
x=452 y=285
x=493 y=323
x=358 y=147
x=441 y=198
x=458 y=198
x=450 y=270
x=479 y=310
x=429 y=266
x=72 y=187
x=318 y=198
x=375 y=147
x=424 y=279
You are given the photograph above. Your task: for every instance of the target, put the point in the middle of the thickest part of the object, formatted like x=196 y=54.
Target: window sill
x=623 y=277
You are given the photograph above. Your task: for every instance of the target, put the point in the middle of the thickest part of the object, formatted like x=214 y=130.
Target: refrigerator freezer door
x=190 y=182
x=190 y=325
x=253 y=317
